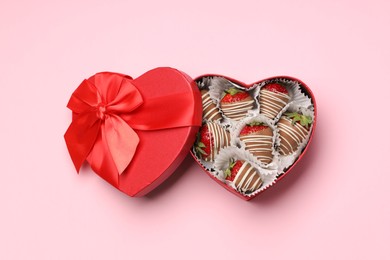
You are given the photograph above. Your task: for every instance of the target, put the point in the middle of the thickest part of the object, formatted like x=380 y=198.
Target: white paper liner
x=286 y=161
x=268 y=176
x=204 y=82
x=235 y=134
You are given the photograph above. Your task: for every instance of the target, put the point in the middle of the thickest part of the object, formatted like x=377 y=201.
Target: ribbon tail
x=80 y=137
x=122 y=141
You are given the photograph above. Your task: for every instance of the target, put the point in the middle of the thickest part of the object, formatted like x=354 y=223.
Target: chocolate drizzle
x=271 y=103
x=221 y=138
x=260 y=144
x=237 y=110
x=247 y=179
x=210 y=110
x=291 y=135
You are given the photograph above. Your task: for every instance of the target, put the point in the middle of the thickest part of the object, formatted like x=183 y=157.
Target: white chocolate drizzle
x=237 y=110
x=259 y=143
x=271 y=103
x=220 y=139
x=207 y=103
x=245 y=176
x=291 y=135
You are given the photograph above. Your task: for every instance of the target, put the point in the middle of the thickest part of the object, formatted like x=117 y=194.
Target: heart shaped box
x=160 y=152
x=306 y=91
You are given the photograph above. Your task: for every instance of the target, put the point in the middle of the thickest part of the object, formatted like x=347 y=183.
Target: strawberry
x=257 y=138
x=273 y=98
x=275 y=87
x=210 y=110
x=236 y=103
x=204 y=142
x=232 y=170
x=252 y=128
x=211 y=138
x=293 y=129
x=243 y=175
x=234 y=95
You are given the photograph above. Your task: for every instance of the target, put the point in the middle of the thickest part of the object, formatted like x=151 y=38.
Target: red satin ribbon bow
x=109 y=106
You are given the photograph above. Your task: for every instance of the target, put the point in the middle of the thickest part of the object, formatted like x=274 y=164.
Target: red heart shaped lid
x=134 y=132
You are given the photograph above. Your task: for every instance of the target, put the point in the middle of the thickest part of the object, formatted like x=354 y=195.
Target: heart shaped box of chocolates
x=253 y=135
x=134 y=133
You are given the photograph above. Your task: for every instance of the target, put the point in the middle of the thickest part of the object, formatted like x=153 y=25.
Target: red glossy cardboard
x=134 y=106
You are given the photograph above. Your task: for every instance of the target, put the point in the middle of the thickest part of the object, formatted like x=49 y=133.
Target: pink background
x=335 y=204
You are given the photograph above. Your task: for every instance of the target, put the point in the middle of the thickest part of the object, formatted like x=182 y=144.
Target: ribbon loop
x=95 y=103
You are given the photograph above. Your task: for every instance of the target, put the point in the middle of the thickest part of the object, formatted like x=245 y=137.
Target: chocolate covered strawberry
x=244 y=176
x=210 y=110
x=235 y=103
x=212 y=137
x=293 y=129
x=273 y=98
x=257 y=138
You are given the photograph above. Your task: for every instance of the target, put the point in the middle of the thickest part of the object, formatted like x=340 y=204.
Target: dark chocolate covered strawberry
x=210 y=110
x=244 y=176
x=293 y=129
x=236 y=103
x=212 y=137
x=273 y=98
x=257 y=137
